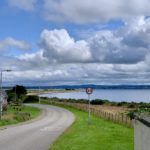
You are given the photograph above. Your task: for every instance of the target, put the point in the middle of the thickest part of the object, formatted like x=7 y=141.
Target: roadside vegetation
x=100 y=135
x=131 y=109
x=104 y=102
x=12 y=117
x=15 y=111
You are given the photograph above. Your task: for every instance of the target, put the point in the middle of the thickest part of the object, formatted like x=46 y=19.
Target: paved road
x=37 y=135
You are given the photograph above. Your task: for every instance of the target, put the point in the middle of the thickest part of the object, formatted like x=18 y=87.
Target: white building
x=142 y=134
x=3 y=98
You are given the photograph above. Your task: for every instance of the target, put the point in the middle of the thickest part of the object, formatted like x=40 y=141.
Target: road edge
x=42 y=112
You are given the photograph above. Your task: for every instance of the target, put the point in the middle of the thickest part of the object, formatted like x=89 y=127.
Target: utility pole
x=1 y=100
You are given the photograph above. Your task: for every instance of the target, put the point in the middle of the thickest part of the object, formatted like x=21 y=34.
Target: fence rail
x=117 y=118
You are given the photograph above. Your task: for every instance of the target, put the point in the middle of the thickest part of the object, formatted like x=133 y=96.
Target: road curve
x=39 y=134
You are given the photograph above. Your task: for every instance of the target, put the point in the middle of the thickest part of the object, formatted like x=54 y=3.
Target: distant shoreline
x=50 y=91
x=140 y=87
x=62 y=87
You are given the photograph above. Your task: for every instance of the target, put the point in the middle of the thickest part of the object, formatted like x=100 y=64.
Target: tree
x=20 y=90
x=17 y=93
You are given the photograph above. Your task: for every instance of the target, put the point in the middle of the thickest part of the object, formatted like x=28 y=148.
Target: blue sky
x=53 y=42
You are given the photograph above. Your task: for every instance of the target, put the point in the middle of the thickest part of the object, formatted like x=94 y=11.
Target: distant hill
x=93 y=86
x=89 y=85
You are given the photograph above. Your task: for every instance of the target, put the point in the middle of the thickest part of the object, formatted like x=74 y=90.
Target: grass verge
x=10 y=117
x=100 y=135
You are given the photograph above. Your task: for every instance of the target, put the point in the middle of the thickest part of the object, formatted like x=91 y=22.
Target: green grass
x=100 y=135
x=9 y=118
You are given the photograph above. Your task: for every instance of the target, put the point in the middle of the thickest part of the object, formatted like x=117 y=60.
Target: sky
x=64 y=42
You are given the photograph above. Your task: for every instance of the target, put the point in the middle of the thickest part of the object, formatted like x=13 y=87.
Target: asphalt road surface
x=38 y=134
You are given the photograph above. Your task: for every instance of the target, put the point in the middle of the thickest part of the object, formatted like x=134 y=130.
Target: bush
x=31 y=99
x=133 y=105
x=17 y=93
x=122 y=103
x=97 y=102
x=144 y=105
x=22 y=116
x=131 y=115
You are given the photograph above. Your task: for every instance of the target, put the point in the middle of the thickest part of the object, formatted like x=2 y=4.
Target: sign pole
x=1 y=107
x=89 y=91
x=89 y=114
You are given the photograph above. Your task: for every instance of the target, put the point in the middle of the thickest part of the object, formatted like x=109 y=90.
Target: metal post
x=89 y=113
x=1 y=107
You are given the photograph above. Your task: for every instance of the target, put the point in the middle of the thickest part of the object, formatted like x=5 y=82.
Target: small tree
x=17 y=93
x=20 y=90
x=16 y=96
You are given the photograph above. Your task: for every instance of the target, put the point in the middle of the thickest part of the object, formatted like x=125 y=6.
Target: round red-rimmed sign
x=89 y=90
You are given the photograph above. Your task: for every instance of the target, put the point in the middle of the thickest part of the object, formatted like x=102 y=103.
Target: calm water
x=113 y=95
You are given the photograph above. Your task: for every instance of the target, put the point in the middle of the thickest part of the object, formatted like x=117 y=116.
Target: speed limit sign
x=89 y=90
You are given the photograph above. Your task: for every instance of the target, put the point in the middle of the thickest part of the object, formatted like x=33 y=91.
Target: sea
x=116 y=95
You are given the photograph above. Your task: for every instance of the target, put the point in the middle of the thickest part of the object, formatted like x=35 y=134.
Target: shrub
x=133 y=105
x=122 y=103
x=97 y=102
x=131 y=115
x=22 y=116
x=31 y=99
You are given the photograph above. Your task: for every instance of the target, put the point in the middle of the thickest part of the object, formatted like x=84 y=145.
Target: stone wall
x=142 y=134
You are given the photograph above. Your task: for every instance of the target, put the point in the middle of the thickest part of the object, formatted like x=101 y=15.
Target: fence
x=117 y=118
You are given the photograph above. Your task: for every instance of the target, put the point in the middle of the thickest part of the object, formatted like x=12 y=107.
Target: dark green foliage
x=131 y=115
x=98 y=102
x=68 y=89
x=11 y=96
x=122 y=103
x=17 y=93
x=82 y=101
x=133 y=105
x=67 y=100
x=144 y=105
x=20 y=90
x=119 y=104
x=31 y=99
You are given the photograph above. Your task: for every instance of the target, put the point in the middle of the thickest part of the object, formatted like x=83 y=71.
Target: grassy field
x=100 y=135
x=9 y=117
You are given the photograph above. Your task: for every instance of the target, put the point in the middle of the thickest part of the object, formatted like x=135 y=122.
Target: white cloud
x=137 y=33
x=108 y=57
x=87 y=11
x=58 y=46
x=11 y=42
x=33 y=61
x=129 y=45
x=27 y=5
